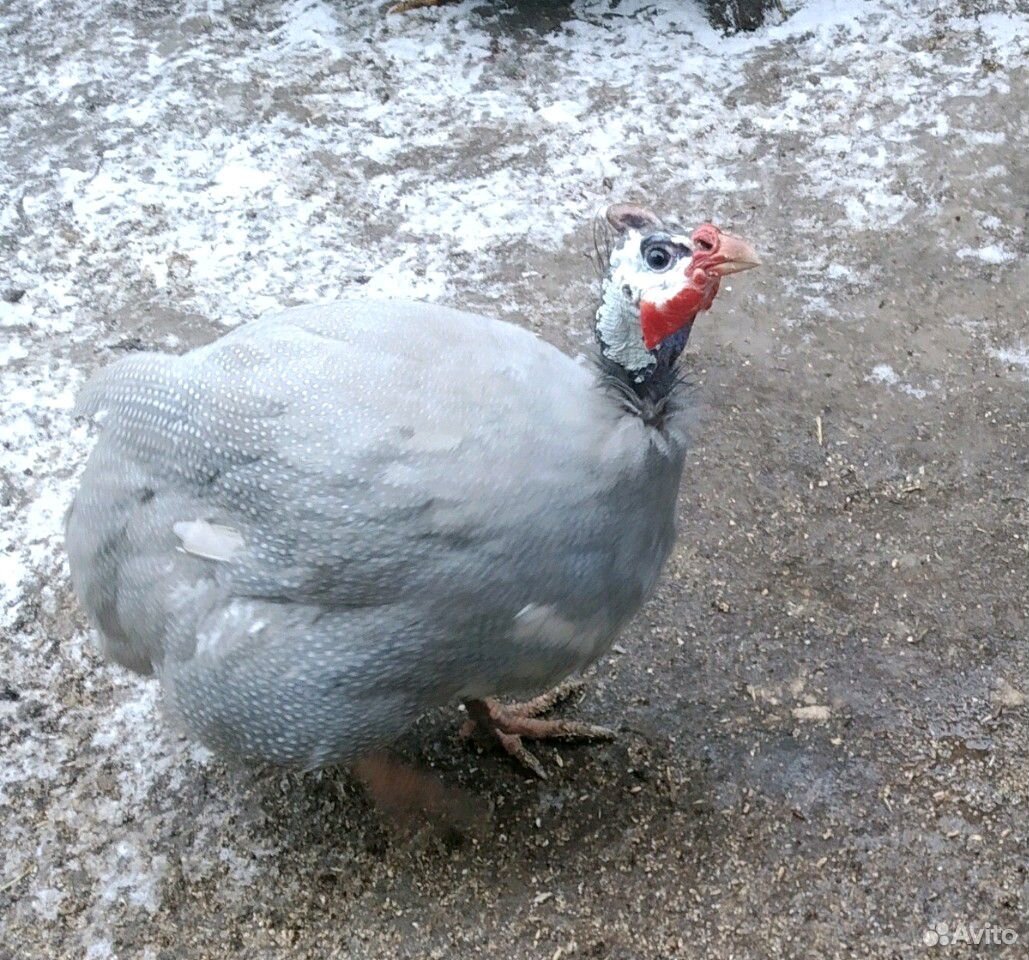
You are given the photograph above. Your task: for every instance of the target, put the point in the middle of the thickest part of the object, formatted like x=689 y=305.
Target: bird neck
x=618 y=330
x=645 y=378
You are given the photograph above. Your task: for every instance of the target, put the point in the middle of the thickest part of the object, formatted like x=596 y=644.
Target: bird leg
x=509 y=723
x=407 y=794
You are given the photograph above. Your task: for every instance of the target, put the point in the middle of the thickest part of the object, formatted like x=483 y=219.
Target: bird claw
x=508 y=724
x=512 y=743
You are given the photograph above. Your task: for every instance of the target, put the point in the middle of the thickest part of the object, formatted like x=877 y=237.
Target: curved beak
x=733 y=255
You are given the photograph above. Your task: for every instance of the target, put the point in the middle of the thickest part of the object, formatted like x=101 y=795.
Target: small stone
x=1005 y=695
x=816 y=713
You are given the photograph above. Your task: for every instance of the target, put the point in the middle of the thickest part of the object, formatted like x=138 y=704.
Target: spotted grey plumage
x=335 y=518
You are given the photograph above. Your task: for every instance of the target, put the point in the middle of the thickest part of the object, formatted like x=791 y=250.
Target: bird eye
x=658 y=258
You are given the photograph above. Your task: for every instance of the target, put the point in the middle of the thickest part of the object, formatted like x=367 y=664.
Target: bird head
x=658 y=279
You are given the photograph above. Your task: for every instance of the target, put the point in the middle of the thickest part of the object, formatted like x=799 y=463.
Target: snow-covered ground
x=168 y=170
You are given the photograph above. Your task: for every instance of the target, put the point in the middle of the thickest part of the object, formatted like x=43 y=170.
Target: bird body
x=332 y=519
x=390 y=526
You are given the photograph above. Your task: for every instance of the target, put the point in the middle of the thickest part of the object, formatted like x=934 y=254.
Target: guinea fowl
x=333 y=519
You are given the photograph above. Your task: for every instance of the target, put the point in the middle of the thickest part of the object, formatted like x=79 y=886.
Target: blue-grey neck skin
x=618 y=322
x=646 y=378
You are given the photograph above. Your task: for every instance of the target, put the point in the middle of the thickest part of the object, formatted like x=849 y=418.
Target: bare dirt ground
x=823 y=744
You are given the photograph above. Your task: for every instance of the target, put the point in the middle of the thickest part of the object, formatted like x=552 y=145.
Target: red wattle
x=660 y=321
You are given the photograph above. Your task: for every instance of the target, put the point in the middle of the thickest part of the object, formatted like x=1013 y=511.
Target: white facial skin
x=631 y=280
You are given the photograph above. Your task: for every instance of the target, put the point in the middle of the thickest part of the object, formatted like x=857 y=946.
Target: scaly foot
x=508 y=723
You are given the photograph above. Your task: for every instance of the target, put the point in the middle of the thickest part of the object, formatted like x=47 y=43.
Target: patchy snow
x=884 y=373
x=992 y=253
x=1013 y=356
x=181 y=164
x=10 y=351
